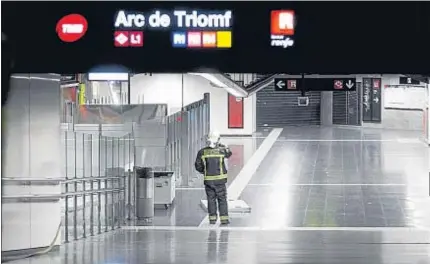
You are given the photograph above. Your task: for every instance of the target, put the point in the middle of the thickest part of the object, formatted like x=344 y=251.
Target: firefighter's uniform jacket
x=211 y=163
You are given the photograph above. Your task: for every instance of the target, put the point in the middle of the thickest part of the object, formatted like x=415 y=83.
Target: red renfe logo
x=72 y=27
x=282 y=22
x=282 y=26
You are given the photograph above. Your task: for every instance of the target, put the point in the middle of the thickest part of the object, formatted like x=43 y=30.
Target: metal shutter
x=277 y=109
x=340 y=108
x=353 y=108
x=345 y=108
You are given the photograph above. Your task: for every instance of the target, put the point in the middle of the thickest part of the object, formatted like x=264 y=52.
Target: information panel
x=315 y=84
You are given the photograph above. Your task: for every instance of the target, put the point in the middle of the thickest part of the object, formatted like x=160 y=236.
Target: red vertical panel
x=235 y=112
x=72 y=94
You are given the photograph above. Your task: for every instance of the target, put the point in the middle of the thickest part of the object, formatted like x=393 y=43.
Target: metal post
x=207 y=101
x=106 y=187
x=75 y=197
x=185 y=148
x=112 y=222
x=124 y=183
x=84 y=234
x=92 y=189
x=178 y=143
x=66 y=189
x=99 y=185
x=129 y=187
x=199 y=124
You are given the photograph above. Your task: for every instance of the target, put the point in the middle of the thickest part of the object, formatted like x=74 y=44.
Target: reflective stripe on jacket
x=210 y=162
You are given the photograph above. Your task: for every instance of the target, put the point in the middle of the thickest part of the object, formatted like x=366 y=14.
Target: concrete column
x=428 y=115
x=326 y=113
x=32 y=148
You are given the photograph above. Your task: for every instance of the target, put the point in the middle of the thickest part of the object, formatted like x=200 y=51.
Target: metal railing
x=94 y=190
x=243 y=79
x=171 y=144
x=186 y=134
x=252 y=82
x=98 y=187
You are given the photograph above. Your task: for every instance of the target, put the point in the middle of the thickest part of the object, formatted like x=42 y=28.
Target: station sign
x=282 y=27
x=407 y=80
x=188 y=28
x=315 y=84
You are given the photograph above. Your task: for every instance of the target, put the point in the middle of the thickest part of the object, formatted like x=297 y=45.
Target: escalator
x=251 y=82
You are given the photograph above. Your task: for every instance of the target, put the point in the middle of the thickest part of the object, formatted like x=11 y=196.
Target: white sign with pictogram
x=292 y=84
x=338 y=84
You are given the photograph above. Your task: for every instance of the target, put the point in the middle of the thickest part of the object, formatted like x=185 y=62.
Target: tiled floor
x=341 y=177
x=186 y=210
x=239 y=246
x=332 y=195
x=347 y=177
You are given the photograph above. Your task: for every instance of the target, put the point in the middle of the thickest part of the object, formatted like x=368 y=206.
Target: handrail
x=258 y=85
x=53 y=197
x=30 y=198
x=55 y=181
x=32 y=181
x=261 y=84
x=90 y=179
x=92 y=192
x=230 y=83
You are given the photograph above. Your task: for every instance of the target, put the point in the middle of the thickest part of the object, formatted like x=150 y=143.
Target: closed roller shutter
x=340 y=115
x=353 y=108
x=277 y=109
x=346 y=108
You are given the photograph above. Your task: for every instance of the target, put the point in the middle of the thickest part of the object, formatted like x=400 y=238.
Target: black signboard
x=376 y=100
x=283 y=84
x=407 y=80
x=371 y=100
x=315 y=84
x=367 y=99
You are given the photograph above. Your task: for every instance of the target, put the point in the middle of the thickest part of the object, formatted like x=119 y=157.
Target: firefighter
x=210 y=162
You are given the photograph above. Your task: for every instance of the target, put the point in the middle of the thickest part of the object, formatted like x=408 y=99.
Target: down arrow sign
x=349 y=84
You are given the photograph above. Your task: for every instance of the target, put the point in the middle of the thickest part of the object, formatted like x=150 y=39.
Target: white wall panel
x=167 y=89
x=32 y=141
x=395 y=118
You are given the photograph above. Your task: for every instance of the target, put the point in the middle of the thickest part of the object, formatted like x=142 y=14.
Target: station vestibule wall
x=32 y=140
x=394 y=118
x=167 y=88
x=177 y=90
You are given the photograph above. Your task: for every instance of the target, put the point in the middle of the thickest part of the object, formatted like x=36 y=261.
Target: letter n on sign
x=235 y=112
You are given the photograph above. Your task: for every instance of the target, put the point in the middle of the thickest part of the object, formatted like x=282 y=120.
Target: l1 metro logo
x=282 y=25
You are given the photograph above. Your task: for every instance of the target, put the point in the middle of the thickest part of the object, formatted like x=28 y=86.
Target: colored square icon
x=136 y=38
x=121 y=39
x=179 y=39
x=223 y=39
x=194 y=39
x=282 y=22
x=209 y=39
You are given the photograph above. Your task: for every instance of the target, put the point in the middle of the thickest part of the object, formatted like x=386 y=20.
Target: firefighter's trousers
x=217 y=193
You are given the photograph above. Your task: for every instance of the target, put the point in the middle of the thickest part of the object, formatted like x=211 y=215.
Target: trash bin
x=145 y=193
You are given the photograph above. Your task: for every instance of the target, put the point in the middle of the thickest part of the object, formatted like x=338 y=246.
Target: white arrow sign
x=349 y=84
x=280 y=84
x=376 y=100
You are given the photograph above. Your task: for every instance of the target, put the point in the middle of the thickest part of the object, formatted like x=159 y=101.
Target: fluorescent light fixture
x=210 y=78
x=103 y=76
x=218 y=83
